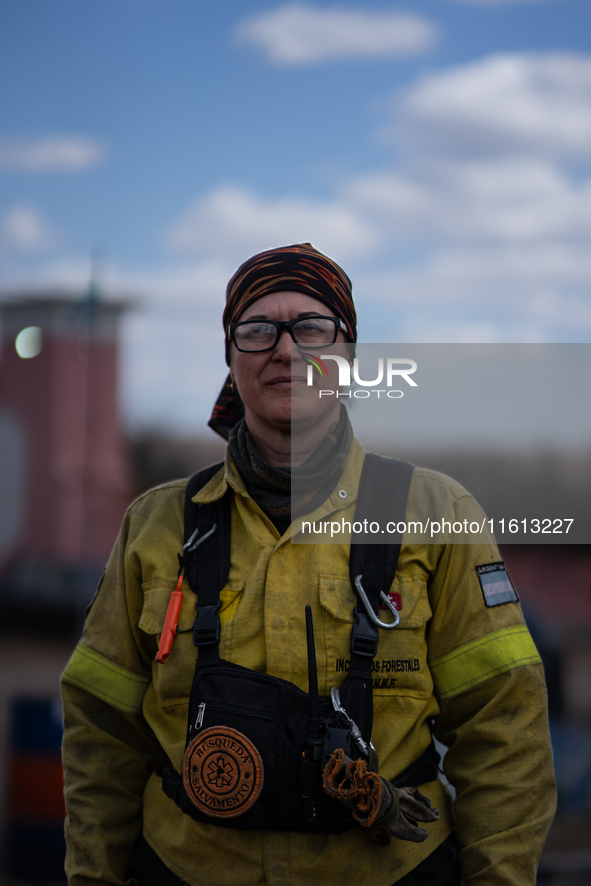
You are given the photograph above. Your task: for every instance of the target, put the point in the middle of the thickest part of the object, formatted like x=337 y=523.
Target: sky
x=439 y=150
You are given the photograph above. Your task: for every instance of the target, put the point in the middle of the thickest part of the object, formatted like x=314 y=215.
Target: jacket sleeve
x=108 y=750
x=493 y=717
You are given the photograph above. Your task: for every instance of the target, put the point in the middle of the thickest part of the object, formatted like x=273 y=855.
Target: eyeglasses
x=253 y=336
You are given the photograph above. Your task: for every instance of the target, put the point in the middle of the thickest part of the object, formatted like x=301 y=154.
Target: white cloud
x=489 y=148
x=518 y=279
x=231 y=221
x=296 y=34
x=50 y=154
x=534 y=103
x=23 y=229
x=482 y=293
x=485 y=244
x=512 y=200
x=165 y=289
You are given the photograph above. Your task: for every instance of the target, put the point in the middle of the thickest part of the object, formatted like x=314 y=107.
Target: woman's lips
x=286 y=381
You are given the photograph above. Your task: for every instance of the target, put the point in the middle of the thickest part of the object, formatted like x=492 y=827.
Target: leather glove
x=376 y=803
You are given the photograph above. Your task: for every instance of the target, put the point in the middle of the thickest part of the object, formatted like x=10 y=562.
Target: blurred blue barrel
x=35 y=810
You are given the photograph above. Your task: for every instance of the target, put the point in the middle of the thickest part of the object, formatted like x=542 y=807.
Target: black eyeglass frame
x=281 y=325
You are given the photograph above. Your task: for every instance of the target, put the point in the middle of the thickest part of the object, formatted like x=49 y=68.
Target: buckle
x=206 y=627
x=364 y=636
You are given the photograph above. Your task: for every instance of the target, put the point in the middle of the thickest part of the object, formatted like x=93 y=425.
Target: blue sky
x=440 y=150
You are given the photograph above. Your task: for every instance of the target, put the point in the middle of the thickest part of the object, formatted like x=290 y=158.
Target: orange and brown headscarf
x=297 y=268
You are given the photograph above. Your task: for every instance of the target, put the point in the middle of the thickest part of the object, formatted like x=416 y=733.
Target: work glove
x=388 y=811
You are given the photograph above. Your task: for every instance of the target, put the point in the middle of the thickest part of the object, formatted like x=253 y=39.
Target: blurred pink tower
x=64 y=476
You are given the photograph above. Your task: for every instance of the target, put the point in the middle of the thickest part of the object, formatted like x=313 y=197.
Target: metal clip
x=189 y=547
x=335 y=697
x=371 y=614
x=200 y=715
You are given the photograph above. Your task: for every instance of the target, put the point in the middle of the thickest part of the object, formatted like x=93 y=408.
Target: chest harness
x=256 y=745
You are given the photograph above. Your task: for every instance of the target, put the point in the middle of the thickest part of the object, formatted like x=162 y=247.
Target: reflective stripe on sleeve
x=475 y=662
x=108 y=681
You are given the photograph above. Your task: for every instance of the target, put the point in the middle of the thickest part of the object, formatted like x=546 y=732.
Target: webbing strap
x=381 y=499
x=207 y=561
x=424 y=769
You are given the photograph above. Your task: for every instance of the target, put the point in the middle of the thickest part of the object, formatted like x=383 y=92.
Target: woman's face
x=273 y=384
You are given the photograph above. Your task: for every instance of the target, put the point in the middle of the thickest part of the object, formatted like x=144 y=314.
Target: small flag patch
x=395 y=599
x=496 y=584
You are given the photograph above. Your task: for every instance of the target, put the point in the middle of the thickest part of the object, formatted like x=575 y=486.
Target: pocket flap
x=415 y=608
x=157 y=597
x=338 y=597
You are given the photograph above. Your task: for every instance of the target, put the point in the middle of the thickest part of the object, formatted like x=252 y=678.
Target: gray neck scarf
x=286 y=493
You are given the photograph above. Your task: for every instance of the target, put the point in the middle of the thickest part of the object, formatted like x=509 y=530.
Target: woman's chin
x=272 y=420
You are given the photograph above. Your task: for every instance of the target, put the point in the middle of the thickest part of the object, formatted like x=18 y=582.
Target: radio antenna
x=315 y=723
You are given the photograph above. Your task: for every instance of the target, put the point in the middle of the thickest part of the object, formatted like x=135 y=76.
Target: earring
x=232 y=384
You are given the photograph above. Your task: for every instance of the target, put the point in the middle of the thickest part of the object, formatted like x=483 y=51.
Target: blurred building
x=64 y=478
x=64 y=485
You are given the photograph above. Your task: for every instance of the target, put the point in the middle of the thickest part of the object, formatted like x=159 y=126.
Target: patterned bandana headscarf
x=297 y=268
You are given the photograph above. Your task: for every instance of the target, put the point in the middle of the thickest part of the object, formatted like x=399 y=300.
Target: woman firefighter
x=229 y=721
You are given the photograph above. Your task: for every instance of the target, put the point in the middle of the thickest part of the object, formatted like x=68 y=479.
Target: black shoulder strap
x=194 y=485
x=206 y=558
x=381 y=499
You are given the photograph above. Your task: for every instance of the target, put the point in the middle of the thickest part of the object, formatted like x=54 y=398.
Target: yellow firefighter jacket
x=471 y=666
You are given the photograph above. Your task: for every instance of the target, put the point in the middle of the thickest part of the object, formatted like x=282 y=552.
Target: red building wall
x=75 y=479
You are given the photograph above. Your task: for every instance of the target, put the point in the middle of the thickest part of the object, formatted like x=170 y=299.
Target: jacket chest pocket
x=173 y=679
x=400 y=666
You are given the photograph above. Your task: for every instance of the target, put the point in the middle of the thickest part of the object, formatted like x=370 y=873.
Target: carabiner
x=335 y=697
x=372 y=616
x=189 y=547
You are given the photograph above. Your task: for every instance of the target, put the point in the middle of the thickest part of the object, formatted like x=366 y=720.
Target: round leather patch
x=222 y=772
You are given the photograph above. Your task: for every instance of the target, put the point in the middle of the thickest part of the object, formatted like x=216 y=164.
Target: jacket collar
x=348 y=483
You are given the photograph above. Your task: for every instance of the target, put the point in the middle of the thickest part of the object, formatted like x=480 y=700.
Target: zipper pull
x=200 y=716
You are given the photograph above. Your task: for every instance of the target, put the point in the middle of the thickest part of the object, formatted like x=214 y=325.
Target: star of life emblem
x=222 y=772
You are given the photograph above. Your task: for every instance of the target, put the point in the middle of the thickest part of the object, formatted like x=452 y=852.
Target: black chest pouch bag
x=256 y=745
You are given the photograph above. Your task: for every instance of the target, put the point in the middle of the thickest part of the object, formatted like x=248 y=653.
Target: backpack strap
x=381 y=498
x=206 y=558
